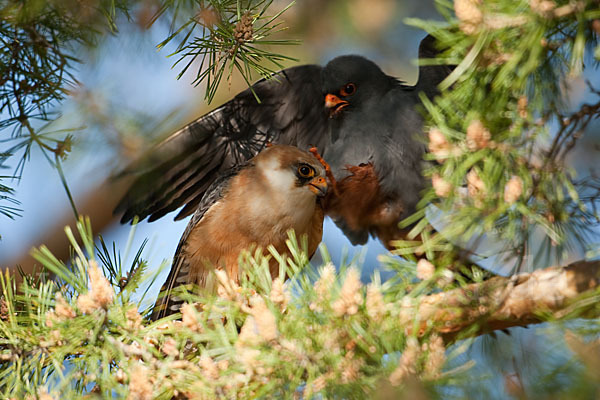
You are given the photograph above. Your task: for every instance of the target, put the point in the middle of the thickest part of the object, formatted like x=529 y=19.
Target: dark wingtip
x=126 y=213
x=189 y=209
x=427 y=47
x=129 y=216
x=123 y=208
x=430 y=76
x=155 y=216
x=129 y=212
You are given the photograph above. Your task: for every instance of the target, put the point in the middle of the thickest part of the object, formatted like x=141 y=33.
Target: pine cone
x=3 y=309
x=243 y=29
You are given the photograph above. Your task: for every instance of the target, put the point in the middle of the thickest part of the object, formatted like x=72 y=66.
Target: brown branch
x=500 y=303
x=98 y=204
x=571 y=129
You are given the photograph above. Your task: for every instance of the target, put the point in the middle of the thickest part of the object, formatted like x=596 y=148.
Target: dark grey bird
x=366 y=124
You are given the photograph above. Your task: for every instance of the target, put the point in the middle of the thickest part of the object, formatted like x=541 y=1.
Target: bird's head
x=292 y=172
x=349 y=82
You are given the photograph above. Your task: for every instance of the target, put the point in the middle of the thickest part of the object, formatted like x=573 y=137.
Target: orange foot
x=328 y=172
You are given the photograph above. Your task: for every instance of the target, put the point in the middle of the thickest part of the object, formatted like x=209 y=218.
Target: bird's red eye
x=348 y=90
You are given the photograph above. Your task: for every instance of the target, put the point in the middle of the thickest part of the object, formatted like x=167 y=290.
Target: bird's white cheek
x=287 y=195
x=271 y=195
x=281 y=181
x=288 y=203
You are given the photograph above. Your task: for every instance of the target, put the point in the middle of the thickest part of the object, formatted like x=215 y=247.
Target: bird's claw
x=328 y=172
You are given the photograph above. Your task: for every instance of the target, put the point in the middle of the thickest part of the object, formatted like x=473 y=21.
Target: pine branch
x=320 y=332
x=504 y=129
x=224 y=36
x=501 y=303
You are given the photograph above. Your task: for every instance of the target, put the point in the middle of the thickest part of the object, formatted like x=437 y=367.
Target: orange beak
x=334 y=103
x=318 y=186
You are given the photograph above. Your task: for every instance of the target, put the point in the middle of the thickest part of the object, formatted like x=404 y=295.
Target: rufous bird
x=253 y=205
x=366 y=124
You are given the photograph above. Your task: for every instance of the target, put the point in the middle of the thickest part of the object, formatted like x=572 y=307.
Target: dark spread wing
x=167 y=302
x=179 y=170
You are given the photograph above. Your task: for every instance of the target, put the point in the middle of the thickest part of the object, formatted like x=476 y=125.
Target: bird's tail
x=430 y=76
x=168 y=302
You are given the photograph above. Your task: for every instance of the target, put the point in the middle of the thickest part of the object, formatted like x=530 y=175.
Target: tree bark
x=500 y=303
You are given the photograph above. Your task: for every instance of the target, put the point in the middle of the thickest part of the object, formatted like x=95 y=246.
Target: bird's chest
x=385 y=134
x=271 y=215
x=355 y=139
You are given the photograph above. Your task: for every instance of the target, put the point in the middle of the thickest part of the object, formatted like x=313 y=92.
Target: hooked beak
x=318 y=186
x=335 y=104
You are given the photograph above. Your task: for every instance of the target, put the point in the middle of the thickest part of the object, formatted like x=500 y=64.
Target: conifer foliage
x=499 y=135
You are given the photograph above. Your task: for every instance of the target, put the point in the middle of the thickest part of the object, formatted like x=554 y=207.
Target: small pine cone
x=3 y=309
x=375 y=303
x=513 y=190
x=266 y=322
x=439 y=145
x=350 y=296
x=407 y=363
x=140 y=386
x=469 y=14
x=62 y=309
x=425 y=269
x=169 y=347
x=134 y=319
x=542 y=7
x=209 y=368
x=522 y=106
x=350 y=369
x=478 y=137
x=442 y=187
x=436 y=357
x=319 y=384
x=243 y=29
x=475 y=187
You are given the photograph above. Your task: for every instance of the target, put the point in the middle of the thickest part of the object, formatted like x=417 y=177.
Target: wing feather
x=180 y=169
x=168 y=302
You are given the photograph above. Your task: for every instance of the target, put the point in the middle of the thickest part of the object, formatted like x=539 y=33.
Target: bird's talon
x=325 y=165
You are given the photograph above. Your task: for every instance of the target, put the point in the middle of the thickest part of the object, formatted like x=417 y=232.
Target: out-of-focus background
x=129 y=97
